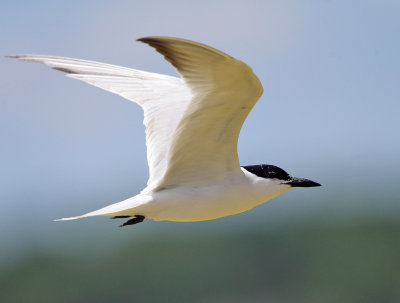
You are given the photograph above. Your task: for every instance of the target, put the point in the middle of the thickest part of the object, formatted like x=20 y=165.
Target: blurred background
x=330 y=112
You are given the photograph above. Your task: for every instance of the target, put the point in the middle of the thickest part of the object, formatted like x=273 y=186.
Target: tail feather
x=125 y=207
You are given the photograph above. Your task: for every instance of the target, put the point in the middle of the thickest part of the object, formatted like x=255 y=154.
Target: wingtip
x=67 y=219
x=145 y=39
x=149 y=39
x=20 y=57
x=62 y=219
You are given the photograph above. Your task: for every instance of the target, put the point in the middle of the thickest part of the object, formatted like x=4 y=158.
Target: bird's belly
x=203 y=203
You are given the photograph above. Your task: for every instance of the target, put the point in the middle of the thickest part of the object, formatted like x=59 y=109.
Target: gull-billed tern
x=192 y=129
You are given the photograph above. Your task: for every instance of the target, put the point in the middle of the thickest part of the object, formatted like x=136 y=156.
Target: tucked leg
x=135 y=220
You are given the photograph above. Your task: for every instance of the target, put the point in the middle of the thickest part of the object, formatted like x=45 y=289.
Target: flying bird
x=192 y=129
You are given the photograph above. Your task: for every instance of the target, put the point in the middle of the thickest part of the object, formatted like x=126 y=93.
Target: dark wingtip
x=145 y=39
x=152 y=41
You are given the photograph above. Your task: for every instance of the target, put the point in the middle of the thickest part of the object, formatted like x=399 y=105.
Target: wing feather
x=163 y=99
x=204 y=145
x=192 y=126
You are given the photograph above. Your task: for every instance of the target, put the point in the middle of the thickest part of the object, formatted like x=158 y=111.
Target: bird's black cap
x=268 y=171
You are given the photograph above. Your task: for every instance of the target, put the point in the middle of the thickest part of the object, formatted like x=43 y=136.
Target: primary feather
x=163 y=99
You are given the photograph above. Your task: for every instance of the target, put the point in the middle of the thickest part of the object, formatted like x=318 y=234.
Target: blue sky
x=330 y=110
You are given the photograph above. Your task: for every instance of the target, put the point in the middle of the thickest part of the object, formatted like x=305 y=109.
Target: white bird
x=192 y=129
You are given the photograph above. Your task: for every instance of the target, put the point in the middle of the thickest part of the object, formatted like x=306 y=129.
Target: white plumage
x=192 y=128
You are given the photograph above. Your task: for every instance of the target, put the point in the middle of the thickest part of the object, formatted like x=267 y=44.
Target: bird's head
x=268 y=171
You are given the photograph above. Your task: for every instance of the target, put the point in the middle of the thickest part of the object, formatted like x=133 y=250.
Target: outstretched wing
x=224 y=90
x=163 y=99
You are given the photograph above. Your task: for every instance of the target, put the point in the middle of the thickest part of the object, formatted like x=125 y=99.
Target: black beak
x=300 y=182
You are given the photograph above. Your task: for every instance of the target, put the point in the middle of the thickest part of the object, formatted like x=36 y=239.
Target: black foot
x=120 y=217
x=135 y=220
